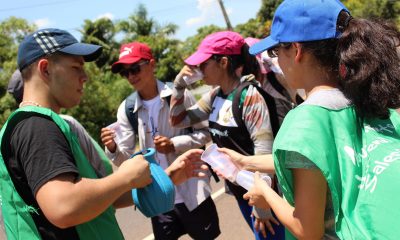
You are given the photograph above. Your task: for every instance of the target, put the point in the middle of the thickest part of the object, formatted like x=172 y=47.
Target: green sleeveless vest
x=17 y=219
x=360 y=162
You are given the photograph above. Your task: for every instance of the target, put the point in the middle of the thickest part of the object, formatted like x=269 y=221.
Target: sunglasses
x=203 y=65
x=273 y=52
x=133 y=69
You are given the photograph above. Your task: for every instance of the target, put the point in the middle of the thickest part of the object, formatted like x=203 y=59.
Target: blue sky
x=189 y=15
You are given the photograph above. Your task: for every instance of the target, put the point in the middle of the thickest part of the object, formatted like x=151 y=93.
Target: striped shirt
x=255 y=113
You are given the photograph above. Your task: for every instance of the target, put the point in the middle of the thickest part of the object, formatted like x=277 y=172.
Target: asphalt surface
x=135 y=226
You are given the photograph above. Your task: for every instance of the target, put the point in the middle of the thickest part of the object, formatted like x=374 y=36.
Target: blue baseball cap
x=302 y=21
x=50 y=40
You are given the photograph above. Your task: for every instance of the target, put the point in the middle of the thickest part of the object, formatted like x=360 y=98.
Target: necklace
x=29 y=103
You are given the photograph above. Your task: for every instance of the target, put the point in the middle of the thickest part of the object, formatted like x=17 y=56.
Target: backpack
x=133 y=120
x=276 y=114
x=133 y=116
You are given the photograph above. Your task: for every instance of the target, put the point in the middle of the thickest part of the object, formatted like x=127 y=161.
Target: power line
x=171 y=8
x=36 y=5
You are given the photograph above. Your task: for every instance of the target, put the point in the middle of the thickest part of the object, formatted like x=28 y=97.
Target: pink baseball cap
x=251 y=41
x=222 y=43
x=131 y=53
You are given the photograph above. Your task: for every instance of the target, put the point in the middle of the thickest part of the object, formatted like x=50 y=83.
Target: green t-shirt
x=358 y=160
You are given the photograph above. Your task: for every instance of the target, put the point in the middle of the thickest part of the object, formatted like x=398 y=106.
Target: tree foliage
x=101 y=32
x=105 y=90
x=12 y=32
x=139 y=24
x=267 y=10
x=375 y=9
x=139 y=27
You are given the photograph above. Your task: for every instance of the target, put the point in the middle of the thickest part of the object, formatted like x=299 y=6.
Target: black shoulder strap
x=271 y=77
x=299 y=100
x=269 y=100
x=168 y=98
x=129 y=107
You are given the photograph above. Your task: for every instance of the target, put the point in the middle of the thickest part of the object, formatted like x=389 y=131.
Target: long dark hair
x=366 y=63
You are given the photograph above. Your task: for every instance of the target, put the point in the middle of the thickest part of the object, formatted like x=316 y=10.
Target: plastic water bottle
x=220 y=162
x=197 y=75
x=246 y=179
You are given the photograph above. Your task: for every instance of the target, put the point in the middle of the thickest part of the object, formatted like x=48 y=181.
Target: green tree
x=259 y=27
x=139 y=27
x=254 y=28
x=375 y=9
x=267 y=10
x=12 y=32
x=101 y=32
x=139 y=24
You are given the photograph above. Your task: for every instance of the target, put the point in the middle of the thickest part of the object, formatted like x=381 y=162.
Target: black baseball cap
x=50 y=40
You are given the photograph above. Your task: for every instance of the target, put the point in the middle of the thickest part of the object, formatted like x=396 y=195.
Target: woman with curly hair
x=337 y=155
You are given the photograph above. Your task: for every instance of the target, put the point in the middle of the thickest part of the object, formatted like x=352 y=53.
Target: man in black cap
x=16 y=86
x=49 y=190
x=53 y=173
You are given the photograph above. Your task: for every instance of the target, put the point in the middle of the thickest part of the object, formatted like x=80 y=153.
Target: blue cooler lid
x=159 y=196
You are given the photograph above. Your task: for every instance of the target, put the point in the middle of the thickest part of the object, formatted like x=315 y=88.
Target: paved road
x=233 y=227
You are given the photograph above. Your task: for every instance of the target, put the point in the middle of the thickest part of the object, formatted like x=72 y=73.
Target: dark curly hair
x=371 y=66
x=366 y=63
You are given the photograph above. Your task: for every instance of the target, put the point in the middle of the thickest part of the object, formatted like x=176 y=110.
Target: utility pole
x=228 y=23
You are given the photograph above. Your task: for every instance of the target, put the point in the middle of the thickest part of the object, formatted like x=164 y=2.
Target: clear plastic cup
x=197 y=75
x=117 y=130
x=246 y=179
x=220 y=162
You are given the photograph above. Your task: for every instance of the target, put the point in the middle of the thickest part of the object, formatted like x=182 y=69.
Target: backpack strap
x=273 y=113
x=237 y=109
x=129 y=108
x=278 y=87
x=299 y=100
x=271 y=77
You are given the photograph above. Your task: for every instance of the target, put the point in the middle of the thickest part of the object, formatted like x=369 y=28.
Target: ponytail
x=244 y=59
x=250 y=64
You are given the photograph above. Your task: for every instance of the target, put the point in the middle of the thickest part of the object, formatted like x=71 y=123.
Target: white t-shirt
x=153 y=107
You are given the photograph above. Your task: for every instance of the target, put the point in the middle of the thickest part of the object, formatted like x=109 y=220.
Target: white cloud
x=208 y=10
x=42 y=23
x=105 y=15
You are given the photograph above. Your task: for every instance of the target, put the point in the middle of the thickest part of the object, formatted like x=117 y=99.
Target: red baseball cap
x=222 y=43
x=131 y=53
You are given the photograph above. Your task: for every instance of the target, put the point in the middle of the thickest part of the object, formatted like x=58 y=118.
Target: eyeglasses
x=203 y=65
x=273 y=52
x=133 y=69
